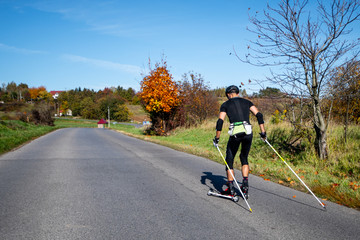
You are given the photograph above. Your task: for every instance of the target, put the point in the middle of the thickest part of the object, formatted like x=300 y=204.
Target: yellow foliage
x=159 y=92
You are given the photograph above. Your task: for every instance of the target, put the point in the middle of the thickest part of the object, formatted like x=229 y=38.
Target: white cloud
x=20 y=50
x=105 y=64
x=114 y=18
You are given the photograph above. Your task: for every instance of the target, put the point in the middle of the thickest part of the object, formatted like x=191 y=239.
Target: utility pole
x=109 y=117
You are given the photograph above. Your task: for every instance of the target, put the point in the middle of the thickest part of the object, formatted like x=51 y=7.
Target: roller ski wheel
x=233 y=198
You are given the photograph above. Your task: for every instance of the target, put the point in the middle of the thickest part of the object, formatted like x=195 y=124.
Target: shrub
x=42 y=114
x=197 y=101
x=122 y=113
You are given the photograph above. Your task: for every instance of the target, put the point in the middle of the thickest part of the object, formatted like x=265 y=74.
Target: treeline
x=220 y=92
x=90 y=104
x=38 y=105
x=12 y=92
x=189 y=102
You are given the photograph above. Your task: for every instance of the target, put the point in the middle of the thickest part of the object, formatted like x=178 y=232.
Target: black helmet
x=232 y=89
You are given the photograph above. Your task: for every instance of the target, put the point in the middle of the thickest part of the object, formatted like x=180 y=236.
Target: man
x=238 y=110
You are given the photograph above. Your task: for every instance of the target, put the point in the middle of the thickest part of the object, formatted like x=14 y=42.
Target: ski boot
x=245 y=190
x=230 y=190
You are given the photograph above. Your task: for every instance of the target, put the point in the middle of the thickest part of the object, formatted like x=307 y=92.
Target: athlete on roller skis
x=238 y=111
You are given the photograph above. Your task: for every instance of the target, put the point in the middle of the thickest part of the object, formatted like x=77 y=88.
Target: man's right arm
x=219 y=124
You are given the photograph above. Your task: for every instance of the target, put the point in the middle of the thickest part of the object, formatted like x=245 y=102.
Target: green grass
x=14 y=133
x=336 y=179
x=73 y=122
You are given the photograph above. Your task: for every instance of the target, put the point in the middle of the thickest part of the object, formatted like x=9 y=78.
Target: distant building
x=68 y=112
x=101 y=123
x=55 y=94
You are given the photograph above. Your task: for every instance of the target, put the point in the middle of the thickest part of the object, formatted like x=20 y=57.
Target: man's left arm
x=260 y=120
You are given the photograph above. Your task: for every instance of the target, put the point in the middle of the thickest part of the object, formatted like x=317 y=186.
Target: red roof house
x=55 y=94
x=101 y=123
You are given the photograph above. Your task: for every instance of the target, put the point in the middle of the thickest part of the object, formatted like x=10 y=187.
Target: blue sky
x=94 y=44
x=65 y=44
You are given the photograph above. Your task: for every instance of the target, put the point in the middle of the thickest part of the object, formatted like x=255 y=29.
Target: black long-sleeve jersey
x=241 y=113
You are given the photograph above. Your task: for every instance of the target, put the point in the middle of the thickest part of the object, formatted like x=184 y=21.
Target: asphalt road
x=100 y=184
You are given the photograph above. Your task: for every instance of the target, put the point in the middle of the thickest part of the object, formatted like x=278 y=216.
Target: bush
x=198 y=103
x=277 y=117
x=160 y=98
x=41 y=114
x=122 y=113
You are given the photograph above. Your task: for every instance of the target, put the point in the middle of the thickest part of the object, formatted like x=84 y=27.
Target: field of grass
x=14 y=133
x=73 y=122
x=137 y=113
x=336 y=179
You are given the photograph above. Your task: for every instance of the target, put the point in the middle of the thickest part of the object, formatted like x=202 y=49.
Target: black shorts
x=233 y=146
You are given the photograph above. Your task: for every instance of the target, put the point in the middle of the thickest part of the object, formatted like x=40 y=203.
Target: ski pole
x=294 y=173
x=237 y=185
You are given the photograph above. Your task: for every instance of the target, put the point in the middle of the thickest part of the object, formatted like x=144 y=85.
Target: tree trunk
x=346 y=118
x=301 y=110
x=164 y=126
x=320 y=143
x=320 y=129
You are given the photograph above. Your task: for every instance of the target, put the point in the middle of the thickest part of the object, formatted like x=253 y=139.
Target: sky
x=95 y=44
x=66 y=44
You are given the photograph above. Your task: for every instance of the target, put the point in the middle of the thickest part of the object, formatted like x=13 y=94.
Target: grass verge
x=335 y=179
x=14 y=133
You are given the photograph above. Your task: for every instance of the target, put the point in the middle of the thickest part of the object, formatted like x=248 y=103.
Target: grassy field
x=14 y=133
x=73 y=122
x=336 y=179
x=137 y=113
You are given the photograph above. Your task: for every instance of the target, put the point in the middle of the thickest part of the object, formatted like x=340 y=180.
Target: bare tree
x=307 y=43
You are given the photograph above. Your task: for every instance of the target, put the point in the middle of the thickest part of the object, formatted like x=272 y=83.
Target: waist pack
x=240 y=128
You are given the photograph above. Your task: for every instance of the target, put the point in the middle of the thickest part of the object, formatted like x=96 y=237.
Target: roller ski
x=232 y=175
x=229 y=193
x=233 y=198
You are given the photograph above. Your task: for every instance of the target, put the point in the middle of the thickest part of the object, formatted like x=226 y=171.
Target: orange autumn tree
x=39 y=93
x=160 y=97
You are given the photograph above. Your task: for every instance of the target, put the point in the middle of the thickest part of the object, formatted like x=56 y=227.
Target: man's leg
x=231 y=149
x=245 y=182
x=245 y=149
x=245 y=170
x=229 y=175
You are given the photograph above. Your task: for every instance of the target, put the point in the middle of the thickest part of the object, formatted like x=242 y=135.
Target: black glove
x=263 y=135
x=216 y=141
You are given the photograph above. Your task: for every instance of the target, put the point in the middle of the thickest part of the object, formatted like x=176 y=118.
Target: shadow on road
x=292 y=199
x=217 y=183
